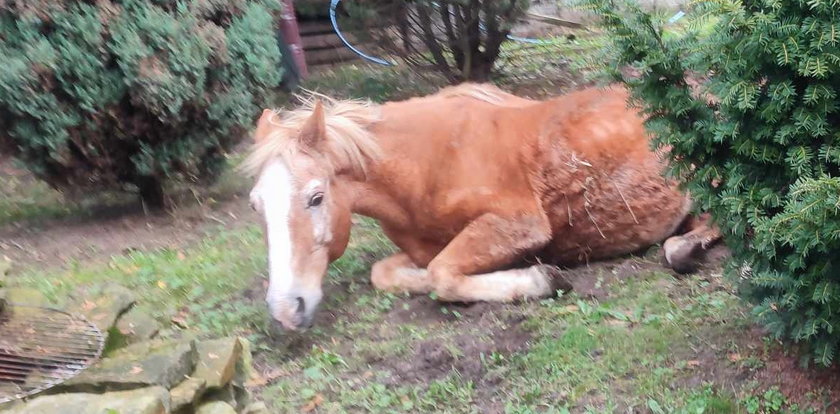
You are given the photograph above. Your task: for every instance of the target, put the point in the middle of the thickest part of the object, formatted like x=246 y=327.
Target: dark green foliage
x=750 y=112
x=129 y=93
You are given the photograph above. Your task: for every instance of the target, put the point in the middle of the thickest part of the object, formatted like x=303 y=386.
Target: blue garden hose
x=334 y=21
x=363 y=55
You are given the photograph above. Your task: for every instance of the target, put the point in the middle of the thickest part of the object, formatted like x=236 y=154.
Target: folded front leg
x=398 y=274
x=474 y=265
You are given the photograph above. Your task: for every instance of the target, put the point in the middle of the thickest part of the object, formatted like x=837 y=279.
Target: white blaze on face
x=273 y=197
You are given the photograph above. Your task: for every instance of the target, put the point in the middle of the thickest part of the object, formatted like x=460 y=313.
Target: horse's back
x=484 y=92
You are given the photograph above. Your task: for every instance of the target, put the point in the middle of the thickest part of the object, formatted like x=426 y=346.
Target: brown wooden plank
x=327 y=56
x=327 y=40
x=315 y=27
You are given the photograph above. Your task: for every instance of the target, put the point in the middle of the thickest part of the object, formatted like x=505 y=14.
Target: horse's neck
x=370 y=200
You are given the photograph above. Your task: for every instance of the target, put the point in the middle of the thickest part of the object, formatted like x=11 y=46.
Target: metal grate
x=42 y=347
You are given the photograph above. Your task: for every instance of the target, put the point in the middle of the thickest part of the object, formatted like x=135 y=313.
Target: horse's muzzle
x=295 y=312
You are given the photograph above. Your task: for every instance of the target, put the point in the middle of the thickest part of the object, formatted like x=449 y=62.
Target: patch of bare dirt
x=722 y=360
x=115 y=228
x=465 y=353
x=796 y=382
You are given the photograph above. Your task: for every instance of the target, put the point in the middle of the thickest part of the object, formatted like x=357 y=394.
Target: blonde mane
x=350 y=143
x=480 y=91
x=349 y=140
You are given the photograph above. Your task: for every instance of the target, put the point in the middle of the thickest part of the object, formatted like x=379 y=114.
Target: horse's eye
x=316 y=200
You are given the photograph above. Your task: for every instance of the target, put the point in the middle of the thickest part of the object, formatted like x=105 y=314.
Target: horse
x=484 y=193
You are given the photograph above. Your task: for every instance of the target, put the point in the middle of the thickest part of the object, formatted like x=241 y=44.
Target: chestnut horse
x=482 y=191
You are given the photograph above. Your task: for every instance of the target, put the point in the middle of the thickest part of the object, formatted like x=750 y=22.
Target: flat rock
x=258 y=407
x=242 y=395
x=187 y=392
x=164 y=363
x=226 y=394
x=137 y=326
x=5 y=267
x=151 y=400
x=215 y=407
x=217 y=360
x=244 y=365
x=26 y=296
x=104 y=309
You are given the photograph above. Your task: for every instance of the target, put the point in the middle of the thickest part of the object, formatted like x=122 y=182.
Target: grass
x=23 y=200
x=631 y=350
x=644 y=348
x=379 y=84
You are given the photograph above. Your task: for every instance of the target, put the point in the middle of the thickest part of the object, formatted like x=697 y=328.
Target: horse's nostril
x=301 y=306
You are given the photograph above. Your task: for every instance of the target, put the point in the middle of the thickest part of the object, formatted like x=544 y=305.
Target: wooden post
x=291 y=33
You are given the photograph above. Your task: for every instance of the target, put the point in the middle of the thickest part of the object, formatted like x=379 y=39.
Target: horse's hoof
x=556 y=279
x=682 y=254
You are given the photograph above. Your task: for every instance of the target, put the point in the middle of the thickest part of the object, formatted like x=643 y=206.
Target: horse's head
x=306 y=214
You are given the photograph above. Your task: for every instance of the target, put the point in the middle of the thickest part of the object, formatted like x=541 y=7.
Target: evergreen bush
x=126 y=94
x=748 y=112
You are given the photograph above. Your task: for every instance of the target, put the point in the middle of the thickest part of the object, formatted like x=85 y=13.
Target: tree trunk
x=151 y=193
x=480 y=70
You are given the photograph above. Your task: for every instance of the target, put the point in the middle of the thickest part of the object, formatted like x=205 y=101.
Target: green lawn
x=648 y=342
x=643 y=346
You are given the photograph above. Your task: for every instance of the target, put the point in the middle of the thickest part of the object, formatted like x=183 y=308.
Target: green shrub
x=125 y=94
x=750 y=113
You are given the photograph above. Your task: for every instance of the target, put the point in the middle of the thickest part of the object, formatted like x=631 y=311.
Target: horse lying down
x=482 y=191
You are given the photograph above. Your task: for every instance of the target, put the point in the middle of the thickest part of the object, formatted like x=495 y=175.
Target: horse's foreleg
x=398 y=274
x=467 y=270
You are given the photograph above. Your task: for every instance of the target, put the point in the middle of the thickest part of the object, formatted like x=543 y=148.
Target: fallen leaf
x=616 y=322
x=693 y=363
x=161 y=284
x=256 y=380
x=735 y=357
x=317 y=400
x=571 y=308
x=180 y=321
x=272 y=374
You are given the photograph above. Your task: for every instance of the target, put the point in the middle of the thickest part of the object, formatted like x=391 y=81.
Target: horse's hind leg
x=469 y=268
x=684 y=253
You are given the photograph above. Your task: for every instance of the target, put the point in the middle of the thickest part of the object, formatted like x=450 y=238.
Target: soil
x=433 y=360
x=118 y=228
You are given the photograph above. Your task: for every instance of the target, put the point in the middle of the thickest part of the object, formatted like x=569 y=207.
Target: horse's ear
x=314 y=131
x=263 y=125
